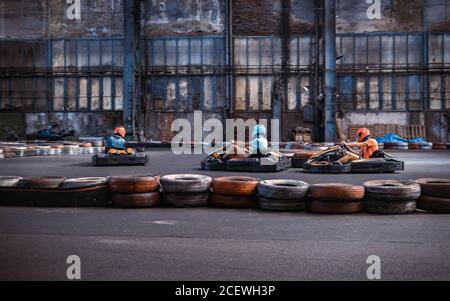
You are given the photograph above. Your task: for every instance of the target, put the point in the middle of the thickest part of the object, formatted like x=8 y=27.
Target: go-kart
x=338 y=159
x=114 y=156
x=270 y=162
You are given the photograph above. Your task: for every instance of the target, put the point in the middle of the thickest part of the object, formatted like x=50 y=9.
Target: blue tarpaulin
x=391 y=137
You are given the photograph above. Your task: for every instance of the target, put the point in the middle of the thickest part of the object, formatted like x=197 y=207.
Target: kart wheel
x=136 y=200
x=434 y=204
x=439 y=188
x=281 y=204
x=337 y=192
x=185 y=183
x=235 y=185
x=317 y=206
x=185 y=199
x=42 y=181
x=133 y=184
x=283 y=189
x=392 y=190
x=8 y=181
x=328 y=168
x=386 y=206
x=232 y=201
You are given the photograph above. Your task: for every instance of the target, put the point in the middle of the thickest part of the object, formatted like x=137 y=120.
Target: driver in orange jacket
x=367 y=145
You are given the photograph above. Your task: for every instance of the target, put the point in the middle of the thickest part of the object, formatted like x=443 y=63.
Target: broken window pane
x=95 y=94
x=254 y=92
x=118 y=101
x=401 y=93
x=107 y=105
x=71 y=93
x=435 y=92
x=83 y=101
x=360 y=93
x=267 y=82
x=58 y=94
x=292 y=93
x=374 y=97
x=240 y=89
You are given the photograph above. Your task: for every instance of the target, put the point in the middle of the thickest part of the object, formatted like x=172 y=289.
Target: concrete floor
x=219 y=244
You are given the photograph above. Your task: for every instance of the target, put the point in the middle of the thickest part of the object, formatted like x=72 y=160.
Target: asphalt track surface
x=219 y=244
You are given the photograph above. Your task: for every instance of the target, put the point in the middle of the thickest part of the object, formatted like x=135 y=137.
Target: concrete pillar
x=330 y=70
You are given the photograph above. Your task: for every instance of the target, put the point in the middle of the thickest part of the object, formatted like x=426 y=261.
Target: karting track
x=219 y=244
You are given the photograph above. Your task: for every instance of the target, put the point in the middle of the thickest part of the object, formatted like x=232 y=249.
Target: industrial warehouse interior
x=224 y=140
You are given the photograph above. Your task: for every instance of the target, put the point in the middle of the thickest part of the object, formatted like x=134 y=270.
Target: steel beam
x=330 y=70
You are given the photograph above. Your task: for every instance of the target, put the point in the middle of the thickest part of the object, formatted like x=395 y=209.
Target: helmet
x=120 y=130
x=362 y=134
x=259 y=131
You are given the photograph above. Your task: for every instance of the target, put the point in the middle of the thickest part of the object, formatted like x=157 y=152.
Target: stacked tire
x=134 y=191
x=234 y=192
x=185 y=190
x=391 y=196
x=42 y=182
x=300 y=157
x=435 y=195
x=336 y=198
x=9 y=181
x=282 y=195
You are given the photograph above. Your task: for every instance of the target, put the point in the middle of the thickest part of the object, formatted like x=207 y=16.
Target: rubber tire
x=232 y=201
x=376 y=166
x=235 y=185
x=47 y=181
x=198 y=199
x=317 y=206
x=137 y=200
x=392 y=190
x=434 y=187
x=283 y=189
x=84 y=182
x=133 y=184
x=281 y=204
x=434 y=204
x=185 y=183
x=337 y=192
x=389 y=207
x=9 y=181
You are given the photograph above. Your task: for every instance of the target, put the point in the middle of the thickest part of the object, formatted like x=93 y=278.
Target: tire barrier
x=9 y=181
x=338 y=192
x=282 y=195
x=415 y=145
x=324 y=207
x=47 y=182
x=232 y=201
x=136 y=200
x=439 y=145
x=133 y=184
x=235 y=185
x=185 y=190
x=336 y=198
x=396 y=145
x=134 y=191
x=391 y=196
x=435 y=195
x=185 y=183
x=84 y=182
x=234 y=192
x=426 y=145
x=179 y=199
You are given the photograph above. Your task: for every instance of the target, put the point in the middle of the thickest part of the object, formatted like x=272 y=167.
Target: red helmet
x=362 y=133
x=120 y=130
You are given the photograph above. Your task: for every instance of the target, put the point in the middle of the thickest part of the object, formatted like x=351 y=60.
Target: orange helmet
x=120 y=130
x=362 y=134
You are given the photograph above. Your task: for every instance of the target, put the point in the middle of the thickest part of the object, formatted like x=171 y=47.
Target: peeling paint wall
x=183 y=17
x=396 y=16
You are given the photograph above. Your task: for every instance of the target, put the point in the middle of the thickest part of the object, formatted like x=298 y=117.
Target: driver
x=367 y=145
x=116 y=141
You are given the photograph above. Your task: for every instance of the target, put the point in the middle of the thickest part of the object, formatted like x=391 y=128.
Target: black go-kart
x=117 y=157
x=327 y=161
